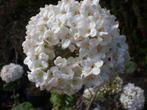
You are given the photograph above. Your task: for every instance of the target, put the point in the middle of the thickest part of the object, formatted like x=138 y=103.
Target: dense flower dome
x=132 y=97
x=11 y=72
x=73 y=44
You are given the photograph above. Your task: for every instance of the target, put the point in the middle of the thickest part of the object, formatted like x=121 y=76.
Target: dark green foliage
x=62 y=102
x=56 y=99
x=23 y=106
x=131 y=67
x=11 y=86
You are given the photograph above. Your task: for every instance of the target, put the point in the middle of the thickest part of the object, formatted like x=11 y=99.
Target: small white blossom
x=91 y=66
x=89 y=93
x=11 y=72
x=132 y=97
x=61 y=62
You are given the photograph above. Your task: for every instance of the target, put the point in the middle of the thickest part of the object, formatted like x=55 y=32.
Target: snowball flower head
x=72 y=44
x=132 y=97
x=11 y=72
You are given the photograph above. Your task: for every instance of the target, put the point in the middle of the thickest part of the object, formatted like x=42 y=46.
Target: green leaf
x=62 y=102
x=56 y=99
x=70 y=100
x=131 y=67
x=23 y=106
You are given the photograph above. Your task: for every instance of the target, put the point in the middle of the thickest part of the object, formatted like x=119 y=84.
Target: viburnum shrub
x=74 y=44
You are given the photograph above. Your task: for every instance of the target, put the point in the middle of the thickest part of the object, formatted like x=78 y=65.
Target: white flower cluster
x=132 y=97
x=72 y=44
x=11 y=72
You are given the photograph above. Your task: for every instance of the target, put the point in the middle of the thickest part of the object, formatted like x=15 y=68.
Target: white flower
x=61 y=62
x=132 y=97
x=65 y=43
x=38 y=75
x=73 y=44
x=43 y=56
x=63 y=72
x=89 y=93
x=91 y=66
x=11 y=72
